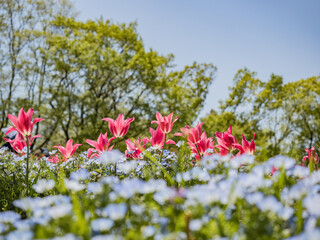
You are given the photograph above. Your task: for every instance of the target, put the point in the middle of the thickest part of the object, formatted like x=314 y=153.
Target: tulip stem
x=27 y=173
x=164 y=145
x=198 y=150
x=311 y=166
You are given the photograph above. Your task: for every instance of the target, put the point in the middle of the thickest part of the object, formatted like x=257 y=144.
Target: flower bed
x=199 y=191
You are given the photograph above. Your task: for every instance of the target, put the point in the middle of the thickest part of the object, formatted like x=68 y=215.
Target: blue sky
x=280 y=37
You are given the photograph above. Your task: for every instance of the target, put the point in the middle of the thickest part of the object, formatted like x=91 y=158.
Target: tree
x=76 y=73
x=103 y=70
x=23 y=58
x=284 y=116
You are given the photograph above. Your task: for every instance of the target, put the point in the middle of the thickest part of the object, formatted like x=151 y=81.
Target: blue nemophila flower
x=110 y=180
x=225 y=188
x=83 y=154
x=43 y=185
x=20 y=235
x=148 y=231
x=186 y=176
x=73 y=185
x=313 y=234
x=23 y=225
x=221 y=159
x=3 y=228
x=159 y=236
x=127 y=167
x=232 y=173
x=252 y=182
x=128 y=187
x=281 y=162
x=285 y=213
x=195 y=225
x=31 y=204
x=53 y=152
x=209 y=162
x=296 y=192
x=19 y=158
x=80 y=175
x=95 y=187
x=198 y=173
x=3 y=150
x=114 y=211
x=254 y=198
x=311 y=203
x=60 y=211
x=155 y=218
x=164 y=195
x=244 y=159
x=153 y=185
x=270 y=203
x=180 y=143
x=315 y=189
x=313 y=179
x=41 y=216
x=311 y=223
x=101 y=224
x=203 y=194
x=166 y=152
x=111 y=157
x=137 y=209
x=299 y=171
x=107 y=237
x=69 y=236
x=9 y=217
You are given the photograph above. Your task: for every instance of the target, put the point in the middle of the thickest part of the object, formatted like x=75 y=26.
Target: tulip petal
x=170 y=142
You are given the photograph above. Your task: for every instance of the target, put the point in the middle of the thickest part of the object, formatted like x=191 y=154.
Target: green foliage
x=79 y=72
x=285 y=116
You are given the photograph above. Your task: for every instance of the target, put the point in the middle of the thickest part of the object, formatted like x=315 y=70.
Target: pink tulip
x=191 y=134
x=119 y=127
x=102 y=144
x=55 y=159
x=134 y=149
x=195 y=133
x=185 y=131
x=23 y=123
x=18 y=143
x=226 y=141
x=69 y=150
x=312 y=156
x=165 y=123
x=201 y=146
x=247 y=147
x=157 y=138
